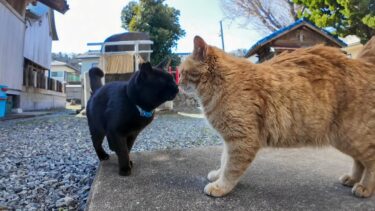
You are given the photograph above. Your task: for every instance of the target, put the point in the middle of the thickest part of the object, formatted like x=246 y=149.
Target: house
x=299 y=34
x=70 y=77
x=65 y=73
x=118 y=57
x=354 y=46
x=26 y=35
x=88 y=60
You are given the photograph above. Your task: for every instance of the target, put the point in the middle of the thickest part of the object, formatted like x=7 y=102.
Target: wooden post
x=170 y=70
x=136 y=49
x=35 y=79
x=177 y=76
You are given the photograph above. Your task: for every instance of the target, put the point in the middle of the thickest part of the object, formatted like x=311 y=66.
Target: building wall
x=67 y=74
x=73 y=92
x=12 y=30
x=41 y=99
x=38 y=41
x=61 y=76
x=87 y=64
x=353 y=50
x=301 y=37
x=61 y=70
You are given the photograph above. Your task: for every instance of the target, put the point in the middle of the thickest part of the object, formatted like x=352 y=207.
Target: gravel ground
x=48 y=163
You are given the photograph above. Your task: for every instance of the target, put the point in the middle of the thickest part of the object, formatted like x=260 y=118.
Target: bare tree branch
x=265 y=15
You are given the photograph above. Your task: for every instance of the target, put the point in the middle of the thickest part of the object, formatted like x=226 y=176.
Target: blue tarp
x=38 y=10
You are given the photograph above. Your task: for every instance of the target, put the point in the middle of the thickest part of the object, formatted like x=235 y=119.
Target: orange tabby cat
x=309 y=97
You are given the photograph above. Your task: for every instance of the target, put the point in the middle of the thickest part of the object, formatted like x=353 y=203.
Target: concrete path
x=293 y=179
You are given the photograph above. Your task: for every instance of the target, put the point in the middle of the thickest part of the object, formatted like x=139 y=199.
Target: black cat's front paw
x=104 y=157
x=131 y=164
x=125 y=172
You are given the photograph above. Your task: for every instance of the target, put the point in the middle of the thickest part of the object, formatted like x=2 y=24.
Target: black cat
x=120 y=110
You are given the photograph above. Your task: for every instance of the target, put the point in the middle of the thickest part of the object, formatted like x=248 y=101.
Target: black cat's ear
x=163 y=65
x=145 y=67
x=200 y=49
x=144 y=70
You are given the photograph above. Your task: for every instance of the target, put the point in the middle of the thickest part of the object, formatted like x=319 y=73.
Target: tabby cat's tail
x=368 y=51
x=96 y=75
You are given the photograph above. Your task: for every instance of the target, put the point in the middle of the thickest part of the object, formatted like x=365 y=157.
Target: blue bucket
x=3 y=100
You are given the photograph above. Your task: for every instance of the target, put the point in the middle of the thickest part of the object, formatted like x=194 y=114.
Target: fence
x=175 y=74
x=34 y=78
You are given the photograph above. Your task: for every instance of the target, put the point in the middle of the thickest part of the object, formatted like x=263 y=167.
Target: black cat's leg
x=97 y=140
x=122 y=153
x=130 y=142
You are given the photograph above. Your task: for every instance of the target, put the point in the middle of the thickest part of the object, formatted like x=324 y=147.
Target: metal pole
x=222 y=35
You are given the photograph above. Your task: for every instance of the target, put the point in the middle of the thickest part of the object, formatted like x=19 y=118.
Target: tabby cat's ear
x=200 y=49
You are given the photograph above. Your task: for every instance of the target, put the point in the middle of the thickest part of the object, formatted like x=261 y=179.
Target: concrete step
x=281 y=179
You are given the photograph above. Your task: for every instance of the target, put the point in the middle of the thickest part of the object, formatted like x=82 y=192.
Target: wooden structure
x=300 y=34
x=120 y=54
x=119 y=57
x=27 y=29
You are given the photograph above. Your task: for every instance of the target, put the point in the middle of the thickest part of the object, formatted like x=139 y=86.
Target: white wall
x=38 y=41
x=87 y=64
x=40 y=99
x=12 y=30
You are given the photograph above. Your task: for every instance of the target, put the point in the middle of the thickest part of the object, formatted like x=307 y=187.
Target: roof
x=128 y=36
x=58 y=5
x=295 y=25
x=59 y=63
x=89 y=55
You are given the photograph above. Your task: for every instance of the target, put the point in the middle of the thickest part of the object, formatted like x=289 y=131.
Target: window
x=57 y=74
x=73 y=78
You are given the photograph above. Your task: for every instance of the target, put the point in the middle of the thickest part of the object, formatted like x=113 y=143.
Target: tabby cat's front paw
x=347 y=180
x=213 y=175
x=216 y=190
x=361 y=191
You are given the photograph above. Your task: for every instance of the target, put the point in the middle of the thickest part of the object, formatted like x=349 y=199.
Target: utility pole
x=222 y=35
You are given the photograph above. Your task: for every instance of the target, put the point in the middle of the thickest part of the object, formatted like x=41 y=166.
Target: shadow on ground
x=293 y=179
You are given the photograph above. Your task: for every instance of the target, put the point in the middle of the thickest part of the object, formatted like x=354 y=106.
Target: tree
x=128 y=12
x=262 y=15
x=159 y=20
x=347 y=17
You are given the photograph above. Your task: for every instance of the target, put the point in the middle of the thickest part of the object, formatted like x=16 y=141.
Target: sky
x=95 y=20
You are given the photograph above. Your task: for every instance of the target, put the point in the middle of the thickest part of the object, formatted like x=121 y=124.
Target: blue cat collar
x=143 y=113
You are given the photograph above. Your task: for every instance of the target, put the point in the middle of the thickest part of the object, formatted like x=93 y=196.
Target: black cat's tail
x=96 y=75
